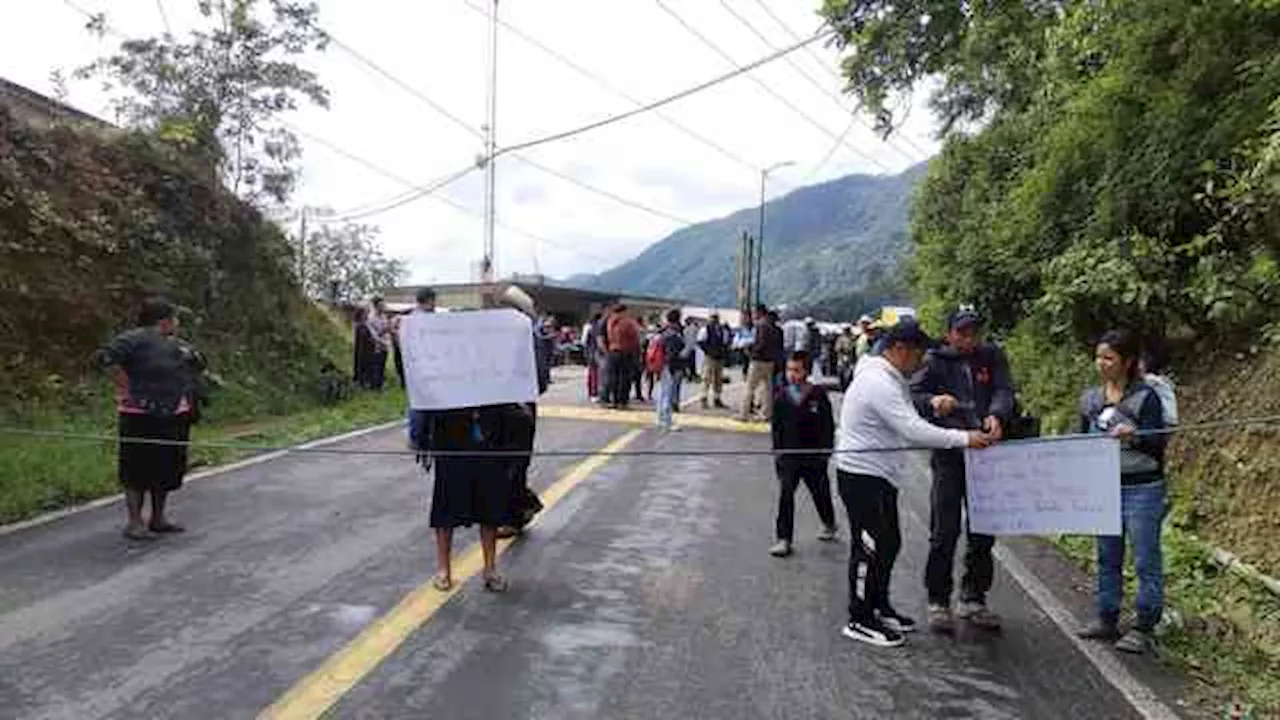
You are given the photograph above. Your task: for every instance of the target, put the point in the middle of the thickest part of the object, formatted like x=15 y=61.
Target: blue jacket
x=979 y=381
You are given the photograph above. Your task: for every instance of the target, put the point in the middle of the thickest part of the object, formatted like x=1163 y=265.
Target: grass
x=1221 y=629
x=43 y=474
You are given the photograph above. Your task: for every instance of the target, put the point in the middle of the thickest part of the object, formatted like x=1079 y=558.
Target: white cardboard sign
x=468 y=359
x=1045 y=488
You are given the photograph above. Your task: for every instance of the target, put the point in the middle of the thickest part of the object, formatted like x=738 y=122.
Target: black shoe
x=1099 y=630
x=895 y=621
x=873 y=632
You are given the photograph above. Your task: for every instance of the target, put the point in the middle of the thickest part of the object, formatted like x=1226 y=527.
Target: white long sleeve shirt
x=877 y=414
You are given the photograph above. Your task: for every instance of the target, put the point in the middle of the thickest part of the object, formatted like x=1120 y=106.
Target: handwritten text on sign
x=1045 y=488
x=468 y=359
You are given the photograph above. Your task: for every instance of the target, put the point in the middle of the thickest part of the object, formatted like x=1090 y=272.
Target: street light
x=764 y=176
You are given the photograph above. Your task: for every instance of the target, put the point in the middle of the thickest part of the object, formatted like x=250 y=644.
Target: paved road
x=645 y=592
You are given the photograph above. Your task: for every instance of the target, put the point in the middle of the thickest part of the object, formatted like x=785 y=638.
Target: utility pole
x=764 y=176
x=487 y=268
x=746 y=271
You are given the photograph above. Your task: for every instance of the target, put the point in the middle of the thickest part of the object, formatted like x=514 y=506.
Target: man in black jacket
x=802 y=420
x=966 y=386
x=714 y=340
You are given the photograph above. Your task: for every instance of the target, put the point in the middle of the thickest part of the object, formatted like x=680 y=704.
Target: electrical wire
x=792 y=34
x=635 y=204
x=398 y=201
x=374 y=167
x=1265 y=420
x=839 y=102
x=610 y=87
x=164 y=17
x=765 y=86
x=654 y=105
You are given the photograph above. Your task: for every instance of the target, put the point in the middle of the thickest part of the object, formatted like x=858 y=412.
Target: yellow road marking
x=312 y=696
x=641 y=417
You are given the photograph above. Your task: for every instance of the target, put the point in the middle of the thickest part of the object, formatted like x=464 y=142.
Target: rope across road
x=85 y=437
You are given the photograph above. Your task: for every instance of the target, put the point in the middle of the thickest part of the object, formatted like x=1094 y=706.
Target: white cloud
x=438 y=47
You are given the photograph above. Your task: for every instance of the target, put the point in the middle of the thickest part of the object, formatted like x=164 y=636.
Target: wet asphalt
x=646 y=592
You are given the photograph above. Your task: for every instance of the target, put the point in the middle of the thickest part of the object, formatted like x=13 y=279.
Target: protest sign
x=1043 y=488
x=467 y=359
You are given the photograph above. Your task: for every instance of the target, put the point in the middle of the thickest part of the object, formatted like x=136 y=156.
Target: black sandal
x=167 y=528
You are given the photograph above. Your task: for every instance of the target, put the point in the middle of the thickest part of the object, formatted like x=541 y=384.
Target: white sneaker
x=873 y=633
x=827 y=534
x=782 y=548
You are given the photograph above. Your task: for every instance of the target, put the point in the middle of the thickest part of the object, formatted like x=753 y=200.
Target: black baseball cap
x=426 y=295
x=963 y=318
x=908 y=332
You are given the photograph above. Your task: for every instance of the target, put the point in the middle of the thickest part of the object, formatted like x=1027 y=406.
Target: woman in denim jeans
x=1128 y=409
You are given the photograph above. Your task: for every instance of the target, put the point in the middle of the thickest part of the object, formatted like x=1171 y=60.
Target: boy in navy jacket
x=802 y=420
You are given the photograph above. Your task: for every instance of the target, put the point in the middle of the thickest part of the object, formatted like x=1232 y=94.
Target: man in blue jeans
x=669 y=360
x=965 y=385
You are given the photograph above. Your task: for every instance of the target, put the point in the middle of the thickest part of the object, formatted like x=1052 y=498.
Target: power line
x=374 y=167
x=839 y=102
x=402 y=199
x=474 y=131
x=164 y=17
x=763 y=85
x=96 y=17
x=740 y=70
x=598 y=80
x=832 y=150
x=792 y=34
x=466 y=126
x=1261 y=421
x=605 y=193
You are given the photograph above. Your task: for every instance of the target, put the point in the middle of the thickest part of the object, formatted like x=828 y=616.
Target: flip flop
x=168 y=529
x=495 y=583
x=442 y=582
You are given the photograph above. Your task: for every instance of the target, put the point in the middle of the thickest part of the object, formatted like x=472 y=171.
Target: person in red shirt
x=623 y=333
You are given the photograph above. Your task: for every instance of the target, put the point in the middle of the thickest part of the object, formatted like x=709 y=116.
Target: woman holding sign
x=1123 y=406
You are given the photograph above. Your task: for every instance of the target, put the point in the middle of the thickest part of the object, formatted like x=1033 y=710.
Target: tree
x=344 y=264
x=219 y=93
x=1115 y=173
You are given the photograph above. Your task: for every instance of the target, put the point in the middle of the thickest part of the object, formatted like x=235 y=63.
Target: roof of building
x=593 y=294
x=12 y=92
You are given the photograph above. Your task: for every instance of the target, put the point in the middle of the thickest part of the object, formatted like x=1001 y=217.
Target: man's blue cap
x=908 y=332
x=963 y=318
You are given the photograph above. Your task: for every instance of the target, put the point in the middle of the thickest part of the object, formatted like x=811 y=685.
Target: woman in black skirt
x=471 y=489
x=157 y=379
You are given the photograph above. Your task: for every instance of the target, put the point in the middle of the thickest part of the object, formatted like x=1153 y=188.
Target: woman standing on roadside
x=1126 y=408
x=157 y=381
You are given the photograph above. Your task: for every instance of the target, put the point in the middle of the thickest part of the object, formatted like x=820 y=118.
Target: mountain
x=825 y=241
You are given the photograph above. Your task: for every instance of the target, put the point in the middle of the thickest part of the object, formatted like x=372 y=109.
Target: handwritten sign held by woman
x=1045 y=488
x=468 y=359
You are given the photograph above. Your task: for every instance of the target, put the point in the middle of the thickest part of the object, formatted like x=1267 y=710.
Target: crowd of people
x=902 y=392
x=629 y=362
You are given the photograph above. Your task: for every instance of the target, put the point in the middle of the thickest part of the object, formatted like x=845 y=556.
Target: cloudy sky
x=546 y=224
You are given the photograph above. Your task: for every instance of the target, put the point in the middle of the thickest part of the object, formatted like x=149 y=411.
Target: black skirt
x=472 y=489
x=150 y=466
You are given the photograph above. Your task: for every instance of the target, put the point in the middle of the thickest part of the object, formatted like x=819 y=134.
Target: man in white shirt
x=877 y=423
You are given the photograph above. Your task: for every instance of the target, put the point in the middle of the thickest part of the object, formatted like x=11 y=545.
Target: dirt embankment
x=1228 y=480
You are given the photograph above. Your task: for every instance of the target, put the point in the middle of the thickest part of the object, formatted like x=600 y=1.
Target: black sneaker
x=896 y=621
x=873 y=633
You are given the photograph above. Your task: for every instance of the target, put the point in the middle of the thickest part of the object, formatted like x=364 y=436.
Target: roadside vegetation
x=1116 y=164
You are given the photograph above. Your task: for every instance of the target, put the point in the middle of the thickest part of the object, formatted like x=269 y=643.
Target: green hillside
x=91 y=222
x=821 y=241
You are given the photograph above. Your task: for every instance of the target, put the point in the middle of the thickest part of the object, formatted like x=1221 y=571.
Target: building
x=571 y=306
x=40 y=111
